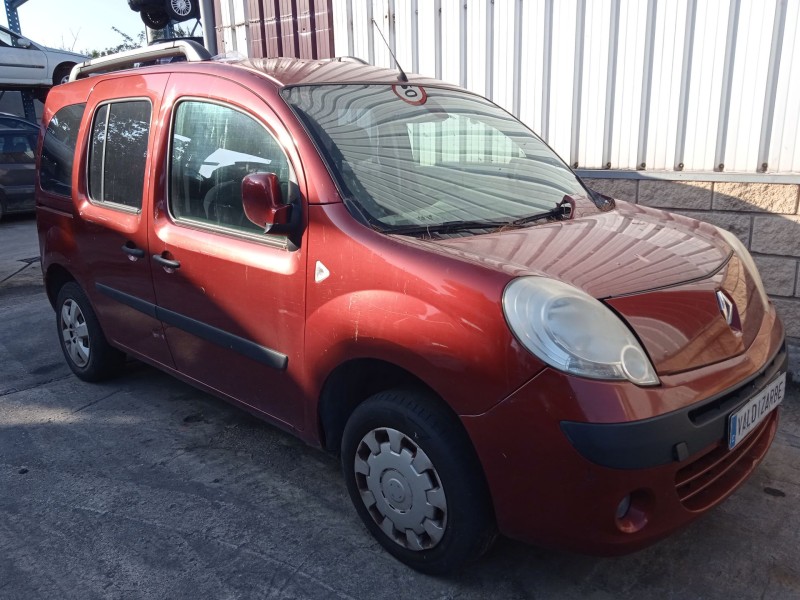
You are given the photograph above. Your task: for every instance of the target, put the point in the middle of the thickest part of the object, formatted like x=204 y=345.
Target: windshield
x=405 y=156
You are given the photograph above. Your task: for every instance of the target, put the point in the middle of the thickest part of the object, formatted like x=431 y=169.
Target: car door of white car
x=21 y=63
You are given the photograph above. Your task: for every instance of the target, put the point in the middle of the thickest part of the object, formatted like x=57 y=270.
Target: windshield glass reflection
x=441 y=156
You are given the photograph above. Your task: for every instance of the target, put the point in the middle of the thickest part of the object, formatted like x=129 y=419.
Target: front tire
x=85 y=348
x=416 y=482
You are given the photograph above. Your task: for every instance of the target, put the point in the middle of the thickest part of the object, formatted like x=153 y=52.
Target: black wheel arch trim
x=262 y=354
x=671 y=437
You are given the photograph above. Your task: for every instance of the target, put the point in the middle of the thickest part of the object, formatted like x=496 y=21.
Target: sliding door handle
x=166 y=262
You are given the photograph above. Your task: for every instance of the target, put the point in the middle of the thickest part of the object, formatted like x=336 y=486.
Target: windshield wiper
x=447 y=227
x=563 y=210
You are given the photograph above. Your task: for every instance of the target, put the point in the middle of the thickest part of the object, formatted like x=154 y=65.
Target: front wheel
x=415 y=481
x=85 y=348
x=182 y=10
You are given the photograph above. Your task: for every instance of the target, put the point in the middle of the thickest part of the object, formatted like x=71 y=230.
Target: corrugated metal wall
x=263 y=28
x=655 y=85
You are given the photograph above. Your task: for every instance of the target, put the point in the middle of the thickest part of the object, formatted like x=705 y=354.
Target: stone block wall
x=765 y=216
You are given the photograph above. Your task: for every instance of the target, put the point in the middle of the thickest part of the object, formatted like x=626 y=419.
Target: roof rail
x=349 y=59
x=193 y=52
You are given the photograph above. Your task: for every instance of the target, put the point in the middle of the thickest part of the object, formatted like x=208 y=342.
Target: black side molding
x=266 y=356
x=136 y=303
x=262 y=354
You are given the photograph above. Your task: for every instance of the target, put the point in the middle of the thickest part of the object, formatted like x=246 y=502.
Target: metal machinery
x=203 y=10
x=26 y=93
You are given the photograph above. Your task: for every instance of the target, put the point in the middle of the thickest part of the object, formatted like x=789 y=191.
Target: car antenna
x=402 y=76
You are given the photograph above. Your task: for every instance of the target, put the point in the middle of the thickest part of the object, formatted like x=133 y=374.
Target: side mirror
x=261 y=199
x=23 y=42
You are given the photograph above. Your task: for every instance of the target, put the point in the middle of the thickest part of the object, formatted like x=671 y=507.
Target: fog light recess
x=633 y=511
x=623 y=507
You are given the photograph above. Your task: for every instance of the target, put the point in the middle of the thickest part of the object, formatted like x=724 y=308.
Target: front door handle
x=132 y=251
x=166 y=262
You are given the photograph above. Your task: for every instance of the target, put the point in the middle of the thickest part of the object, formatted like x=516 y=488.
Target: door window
x=214 y=148
x=9 y=39
x=58 y=149
x=118 y=153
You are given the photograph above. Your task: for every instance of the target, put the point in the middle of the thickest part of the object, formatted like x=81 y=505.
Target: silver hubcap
x=181 y=7
x=75 y=333
x=401 y=489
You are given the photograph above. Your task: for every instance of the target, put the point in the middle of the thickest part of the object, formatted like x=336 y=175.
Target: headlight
x=573 y=332
x=742 y=253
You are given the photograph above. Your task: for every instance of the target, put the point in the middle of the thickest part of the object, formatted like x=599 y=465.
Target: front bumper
x=18 y=198
x=559 y=459
x=674 y=436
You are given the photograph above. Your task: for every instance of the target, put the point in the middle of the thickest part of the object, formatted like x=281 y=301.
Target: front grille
x=708 y=479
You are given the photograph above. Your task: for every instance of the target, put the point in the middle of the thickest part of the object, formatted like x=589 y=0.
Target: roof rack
x=192 y=51
x=349 y=59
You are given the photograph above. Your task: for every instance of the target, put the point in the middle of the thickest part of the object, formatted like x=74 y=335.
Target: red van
x=400 y=272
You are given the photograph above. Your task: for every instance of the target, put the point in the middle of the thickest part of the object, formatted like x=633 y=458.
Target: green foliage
x=130 y=42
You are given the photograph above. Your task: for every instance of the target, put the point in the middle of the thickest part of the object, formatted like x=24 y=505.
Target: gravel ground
x=146 y=488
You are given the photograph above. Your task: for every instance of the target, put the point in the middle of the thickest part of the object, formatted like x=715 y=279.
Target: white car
x=24 y=63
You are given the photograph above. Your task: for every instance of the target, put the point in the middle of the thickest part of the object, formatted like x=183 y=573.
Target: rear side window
x=118 y=152
x=58 y=149
x=16 y=146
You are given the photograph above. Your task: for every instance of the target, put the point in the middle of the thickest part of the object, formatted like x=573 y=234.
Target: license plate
x=747 y=418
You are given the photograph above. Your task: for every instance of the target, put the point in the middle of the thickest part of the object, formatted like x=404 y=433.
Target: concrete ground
x=146 y=488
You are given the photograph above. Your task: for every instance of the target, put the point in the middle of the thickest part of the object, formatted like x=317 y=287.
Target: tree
x=128 y=43
x=131 y=43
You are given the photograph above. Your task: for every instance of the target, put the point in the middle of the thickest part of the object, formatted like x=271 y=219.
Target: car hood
x=660 y=272
x=623 y=251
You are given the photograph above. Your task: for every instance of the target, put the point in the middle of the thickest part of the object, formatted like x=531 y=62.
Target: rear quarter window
x=58 y=150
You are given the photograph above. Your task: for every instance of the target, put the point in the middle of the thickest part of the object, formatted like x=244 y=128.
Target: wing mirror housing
x=263 y=203
x=23 y=43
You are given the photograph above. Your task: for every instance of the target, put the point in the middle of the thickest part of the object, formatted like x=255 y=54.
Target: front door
x=232 y=298
x=21 y=64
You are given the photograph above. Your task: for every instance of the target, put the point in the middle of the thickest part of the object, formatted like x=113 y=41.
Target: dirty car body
x=26 y=63
x=402 y=273
x=18 y=139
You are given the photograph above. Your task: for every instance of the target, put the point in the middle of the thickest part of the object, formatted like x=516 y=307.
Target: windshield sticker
x=412 y=94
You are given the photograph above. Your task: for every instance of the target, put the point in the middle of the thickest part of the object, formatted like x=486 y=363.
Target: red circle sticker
x=412 y=94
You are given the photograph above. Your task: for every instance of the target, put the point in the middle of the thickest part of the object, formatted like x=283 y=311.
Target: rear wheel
x=415 y=481
x=85 y=348
x=61 y=74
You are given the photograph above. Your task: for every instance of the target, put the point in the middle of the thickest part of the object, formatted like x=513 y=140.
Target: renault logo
x=725 y=307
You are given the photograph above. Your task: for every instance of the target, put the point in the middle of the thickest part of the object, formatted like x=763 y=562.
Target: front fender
x=464 y=356
x=436 y=315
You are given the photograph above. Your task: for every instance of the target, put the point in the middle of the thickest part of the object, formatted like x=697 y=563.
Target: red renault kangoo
x=400 y=272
